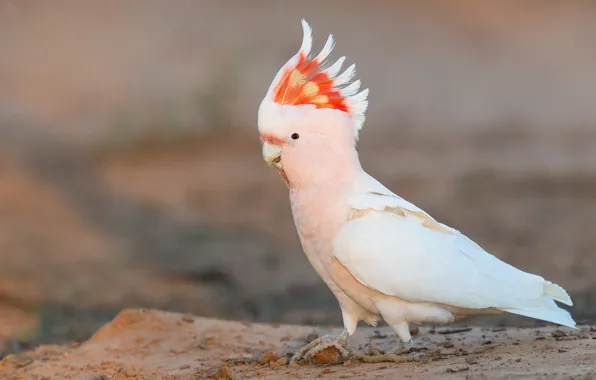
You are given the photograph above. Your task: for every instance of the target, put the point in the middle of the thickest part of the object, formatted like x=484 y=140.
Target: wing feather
x=398 y=249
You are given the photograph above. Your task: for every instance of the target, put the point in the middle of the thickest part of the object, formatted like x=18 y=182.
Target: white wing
x=397 y=249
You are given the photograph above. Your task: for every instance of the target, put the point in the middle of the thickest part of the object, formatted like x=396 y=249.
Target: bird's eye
x=295 y=136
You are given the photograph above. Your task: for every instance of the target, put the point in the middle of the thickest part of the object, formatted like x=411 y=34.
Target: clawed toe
x=344 y=353
x=318 y=345
x=308 y=355
x=404 y=353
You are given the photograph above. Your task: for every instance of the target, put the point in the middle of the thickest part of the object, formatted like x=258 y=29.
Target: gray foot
x=321 y=344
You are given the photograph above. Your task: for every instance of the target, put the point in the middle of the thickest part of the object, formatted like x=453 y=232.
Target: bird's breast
x=318 y=216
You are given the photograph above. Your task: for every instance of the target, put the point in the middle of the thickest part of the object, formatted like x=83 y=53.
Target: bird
x=380 y=255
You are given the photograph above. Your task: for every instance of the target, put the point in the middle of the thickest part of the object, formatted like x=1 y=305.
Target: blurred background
x=131 y=172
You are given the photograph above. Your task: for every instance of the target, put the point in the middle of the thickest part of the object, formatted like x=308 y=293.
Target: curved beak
x=272 y=154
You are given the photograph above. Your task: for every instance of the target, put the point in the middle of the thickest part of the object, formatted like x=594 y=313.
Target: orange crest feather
x=308 y=80
x=308 y=84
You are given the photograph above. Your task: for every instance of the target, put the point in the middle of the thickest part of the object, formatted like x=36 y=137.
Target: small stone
x=414 y=330
x=294 y=366
x=347 y=363
x=188 y=318
x=259 y=372
x=267 y=357
x=274 y=365
x=223 y=373
x=282 y=361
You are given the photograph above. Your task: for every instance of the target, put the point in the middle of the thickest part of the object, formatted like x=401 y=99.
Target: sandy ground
x=141 y=343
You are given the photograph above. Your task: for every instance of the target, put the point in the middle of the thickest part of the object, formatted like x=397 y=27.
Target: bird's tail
x=548 y=310
x=557 y=293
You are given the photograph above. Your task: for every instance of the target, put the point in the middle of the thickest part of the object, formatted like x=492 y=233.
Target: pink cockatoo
x=381 y=256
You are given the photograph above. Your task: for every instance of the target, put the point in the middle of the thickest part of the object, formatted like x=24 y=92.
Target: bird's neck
x=322 y=172
x=321 y=184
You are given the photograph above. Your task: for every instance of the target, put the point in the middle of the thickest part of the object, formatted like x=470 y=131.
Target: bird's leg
x=403 y=348
x=321 y=344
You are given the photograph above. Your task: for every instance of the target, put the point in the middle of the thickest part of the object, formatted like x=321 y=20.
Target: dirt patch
x=149 y=344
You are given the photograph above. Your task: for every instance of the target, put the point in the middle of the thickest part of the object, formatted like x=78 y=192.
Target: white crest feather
x=306 y=38
x=346 y=76
x=329 y=45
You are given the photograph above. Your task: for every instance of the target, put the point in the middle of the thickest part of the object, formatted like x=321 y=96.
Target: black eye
x=295 y=136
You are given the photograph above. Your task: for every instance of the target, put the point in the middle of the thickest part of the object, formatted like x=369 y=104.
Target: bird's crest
x=305 y=79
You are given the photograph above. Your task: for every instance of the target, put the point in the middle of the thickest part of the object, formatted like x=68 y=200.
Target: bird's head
x=311 y=115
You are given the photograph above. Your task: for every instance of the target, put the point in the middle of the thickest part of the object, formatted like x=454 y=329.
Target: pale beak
x=272 y=154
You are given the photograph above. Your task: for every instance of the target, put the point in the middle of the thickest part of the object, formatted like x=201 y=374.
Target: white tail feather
x=546 y=311
x=557 y=293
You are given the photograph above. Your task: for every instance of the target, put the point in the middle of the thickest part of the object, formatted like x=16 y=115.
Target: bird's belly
x=395 y=310
x=392 y=309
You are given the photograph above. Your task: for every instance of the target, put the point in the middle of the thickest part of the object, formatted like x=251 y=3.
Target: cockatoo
x=380 y=255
